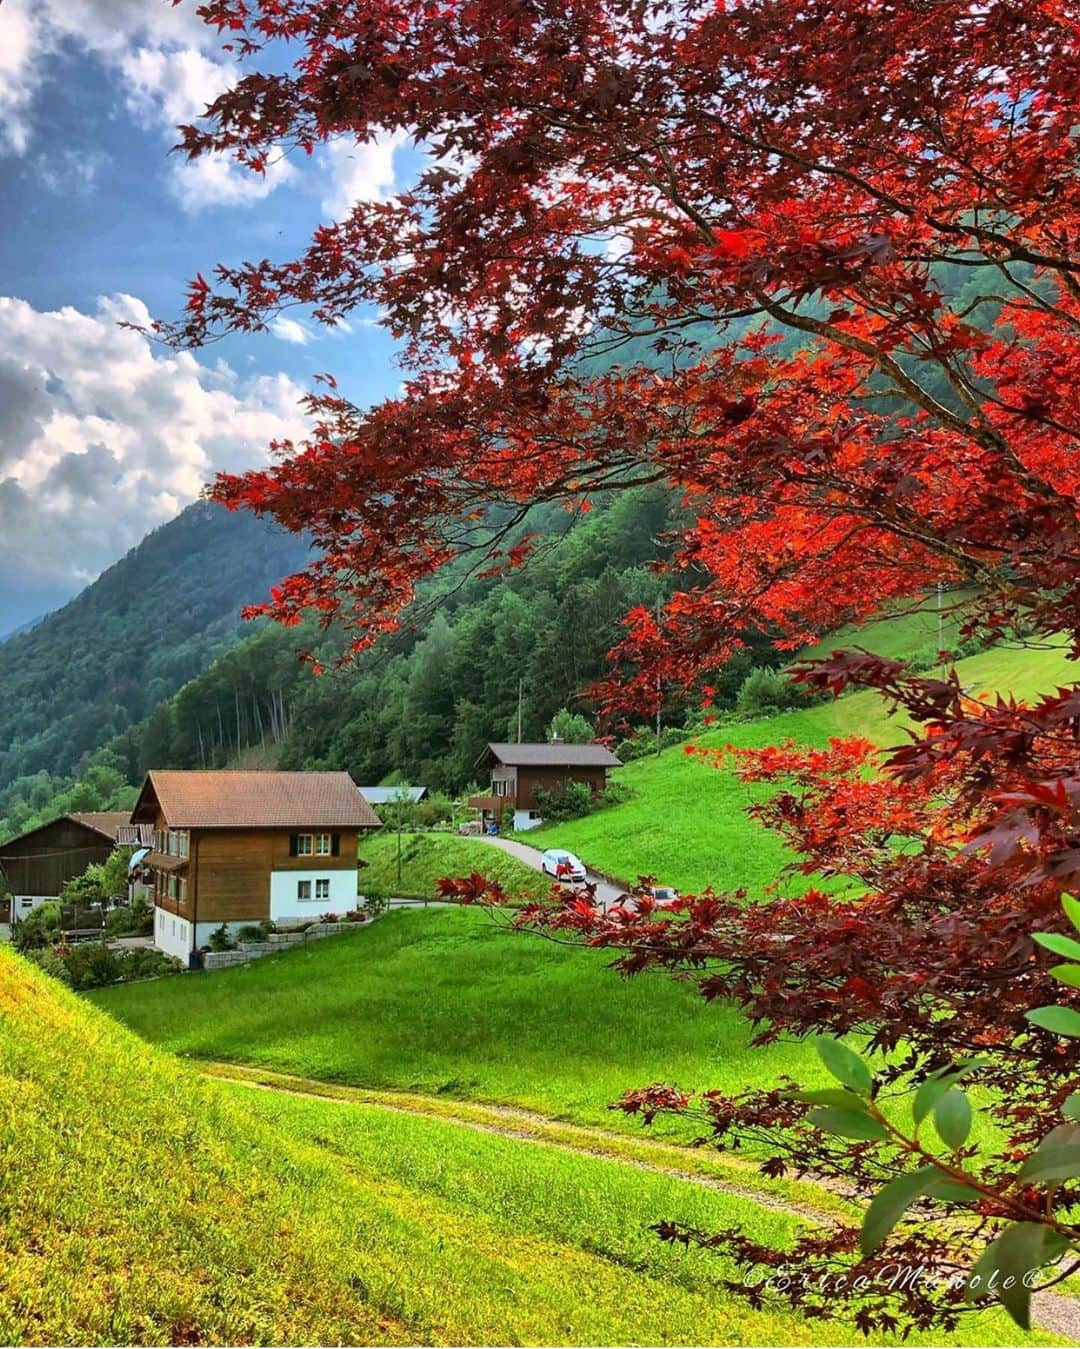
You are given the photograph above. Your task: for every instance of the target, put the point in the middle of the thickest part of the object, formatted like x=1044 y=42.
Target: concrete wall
x=277 y=941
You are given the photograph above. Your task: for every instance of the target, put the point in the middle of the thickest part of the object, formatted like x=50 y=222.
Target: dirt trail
x=1055 y=1312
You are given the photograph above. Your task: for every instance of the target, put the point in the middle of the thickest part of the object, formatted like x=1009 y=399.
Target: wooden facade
x=226 y=874
x=42 y=861
x=239 y=847
x=518 y=772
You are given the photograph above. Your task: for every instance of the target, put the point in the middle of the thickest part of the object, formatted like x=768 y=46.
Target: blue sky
x=104 y=435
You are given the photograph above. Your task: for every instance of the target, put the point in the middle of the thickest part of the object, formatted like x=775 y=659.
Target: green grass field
x=445 y=1001
x=427 y=857
x=685 y=822
x=145 y=1203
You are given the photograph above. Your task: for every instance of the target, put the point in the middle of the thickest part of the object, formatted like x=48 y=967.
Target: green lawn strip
x=446 y=1002
x=686 y=821
x=590 y=1216
x=733 y=1171
x=427 y=857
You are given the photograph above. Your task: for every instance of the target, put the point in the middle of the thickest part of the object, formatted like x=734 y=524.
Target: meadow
x=685 y=821
x=146 y=1203
x=446 y=1001
x=428 y=856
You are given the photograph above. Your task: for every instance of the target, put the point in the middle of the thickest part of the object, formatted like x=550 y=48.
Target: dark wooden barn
x=37 y=864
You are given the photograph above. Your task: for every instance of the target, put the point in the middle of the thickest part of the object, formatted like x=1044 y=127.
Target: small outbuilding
x=38 y=864
x=518 y=770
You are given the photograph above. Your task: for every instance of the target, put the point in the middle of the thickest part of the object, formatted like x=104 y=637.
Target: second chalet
x=239 y=847
x=518 y=770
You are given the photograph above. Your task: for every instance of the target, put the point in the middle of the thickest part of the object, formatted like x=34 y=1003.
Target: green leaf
x=1059 y=944
x=838 y=1096
x=1067 y=974
x=938 y=1083
x=890 y=1204
x=1001 y=1269
x=847 y=1123
x=844 y=1064
x=1052 y=1164
x=954 y=1191
x=1072 y=910
x=1060 y=1020
x=952 y=1118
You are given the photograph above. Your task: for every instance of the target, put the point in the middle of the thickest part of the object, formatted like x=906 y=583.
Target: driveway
x=606 y=893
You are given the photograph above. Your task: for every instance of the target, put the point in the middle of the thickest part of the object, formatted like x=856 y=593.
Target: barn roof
x=548 y=756
x=103 y=822
x=242 y=799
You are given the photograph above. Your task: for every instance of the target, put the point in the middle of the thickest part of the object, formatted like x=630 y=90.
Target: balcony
x=493 y=804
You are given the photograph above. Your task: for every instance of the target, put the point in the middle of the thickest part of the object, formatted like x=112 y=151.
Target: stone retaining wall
x=275 y=941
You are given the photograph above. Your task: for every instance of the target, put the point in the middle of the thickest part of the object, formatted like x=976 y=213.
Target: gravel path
x=606 y=893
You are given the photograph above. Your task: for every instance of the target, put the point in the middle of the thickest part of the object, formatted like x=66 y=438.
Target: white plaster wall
x=21 y=905
x=172 y=935
x=285 y=907
x=522 y=821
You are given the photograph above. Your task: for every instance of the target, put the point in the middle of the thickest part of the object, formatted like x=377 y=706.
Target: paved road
x=606 y=893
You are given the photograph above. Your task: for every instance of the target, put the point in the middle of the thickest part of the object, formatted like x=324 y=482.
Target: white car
x=563 y=865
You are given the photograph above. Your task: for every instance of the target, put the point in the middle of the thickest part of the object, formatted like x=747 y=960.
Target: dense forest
x=153 y=621
x=423 y=702
x=151 y=666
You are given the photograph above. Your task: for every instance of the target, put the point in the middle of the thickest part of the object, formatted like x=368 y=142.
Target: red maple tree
x=817 y=266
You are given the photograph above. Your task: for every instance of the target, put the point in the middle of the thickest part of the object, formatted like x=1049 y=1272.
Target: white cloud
x=291 y=331
x=355 y=171
x=168 y=64
x=103 y=435
x=70 y=172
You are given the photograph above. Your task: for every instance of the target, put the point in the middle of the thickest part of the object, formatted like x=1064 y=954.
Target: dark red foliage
x=776 y=199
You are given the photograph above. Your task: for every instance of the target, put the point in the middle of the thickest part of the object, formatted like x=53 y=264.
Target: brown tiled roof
x=235 y=799
x=550 y=756
x=104 y=821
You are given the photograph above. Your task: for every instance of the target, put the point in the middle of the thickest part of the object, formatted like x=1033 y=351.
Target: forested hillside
x=147 y=625
x=425 y=701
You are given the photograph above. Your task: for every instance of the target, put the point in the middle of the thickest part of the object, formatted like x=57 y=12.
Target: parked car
x=563 y=865
x=663 y=894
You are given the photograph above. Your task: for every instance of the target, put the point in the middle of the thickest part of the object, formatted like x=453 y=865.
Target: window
x=322 y=845
x=322 y=888
x=303 y=845
x=303 y=888
x=500 y=785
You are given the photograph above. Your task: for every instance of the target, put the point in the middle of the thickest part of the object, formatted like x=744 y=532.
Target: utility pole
x=521 y=695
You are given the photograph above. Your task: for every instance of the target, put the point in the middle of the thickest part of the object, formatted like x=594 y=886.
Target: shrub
x=569 y=802
x=251 y=932
x=53 y=964
x=93 y=965
x=329 y=918
x=374 y=905
x=40 y=927
x=221 y=940
x=135 y=920
x=765 y=691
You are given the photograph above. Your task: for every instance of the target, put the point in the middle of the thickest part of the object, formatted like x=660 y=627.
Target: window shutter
x=293 y=846
x=335 y=845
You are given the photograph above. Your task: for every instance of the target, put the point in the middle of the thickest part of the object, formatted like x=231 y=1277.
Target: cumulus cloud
x=288 y=330
x=354 y=171
x=103 y=436
x=168 y=64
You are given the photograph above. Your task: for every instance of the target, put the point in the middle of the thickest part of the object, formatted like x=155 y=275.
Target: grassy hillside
x=446 y=1001
x=685 y=822
x=141 y=1205
x=145 y=1204
x=427 y=857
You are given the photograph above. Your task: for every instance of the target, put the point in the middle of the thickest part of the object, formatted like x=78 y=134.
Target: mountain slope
x=147 y=625
x=685 y=821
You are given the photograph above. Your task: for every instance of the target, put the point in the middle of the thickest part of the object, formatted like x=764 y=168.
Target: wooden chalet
x=38 y=864
x=238 y=847
x=518 y=770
